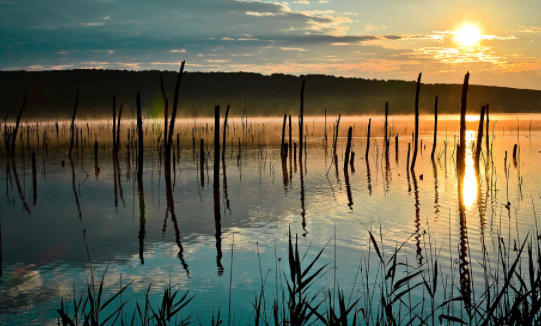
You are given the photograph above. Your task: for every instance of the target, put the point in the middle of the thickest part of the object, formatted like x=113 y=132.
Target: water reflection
x=18 y=183
x=468 y=194
x=469 y=183
x=258 y=210
x=418 y=236
x=218 y=228
x=171 y=210
x=303 y=207
x=75 y=189
x=368 y=177
x=142 y=220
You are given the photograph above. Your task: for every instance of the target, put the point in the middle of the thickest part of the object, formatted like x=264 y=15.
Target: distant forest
x=51 y=94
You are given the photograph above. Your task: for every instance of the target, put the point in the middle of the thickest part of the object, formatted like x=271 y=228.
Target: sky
x=497 y=41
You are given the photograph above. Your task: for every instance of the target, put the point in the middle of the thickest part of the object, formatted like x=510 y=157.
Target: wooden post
x=335 y=136
x=386 y=127
x=290 y=135
x=408 y=159
x=301 y=120
x=118 y=129
x=435 y=129
x=216 y=147
x=202 y=159
x=348 y=149
x=165 y=116
x=283 y=136
x=72 y=126
x=487 y=134
x=463 y=105
x=173 y=114
x=114 y=125
x=325 y=127
x=368 y=140
x=415 y=149
x=479 y=137
x=139 y=138
x=224 y=132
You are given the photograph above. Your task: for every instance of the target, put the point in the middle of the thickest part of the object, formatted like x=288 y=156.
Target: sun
x=468 y=35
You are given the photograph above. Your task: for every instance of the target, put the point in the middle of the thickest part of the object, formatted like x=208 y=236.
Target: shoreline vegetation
x=400 y=292
x=263 y=95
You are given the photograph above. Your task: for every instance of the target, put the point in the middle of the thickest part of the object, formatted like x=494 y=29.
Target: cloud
x=291 y=49
x=371 y=27
x=93 y=24
x=178 y=51
x=531 y=29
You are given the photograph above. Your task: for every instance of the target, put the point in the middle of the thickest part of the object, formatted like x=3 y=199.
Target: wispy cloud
x=291 y=49
x=531 y=29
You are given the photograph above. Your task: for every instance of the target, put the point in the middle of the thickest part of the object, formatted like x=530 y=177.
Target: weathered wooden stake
x=139 y=138
x=118 y=129
x=368 y=140
x=165 y=115
x=301 y=120
x=225 y=131
x=114 y=125
x=385 y=139
x=216 y=147
x=415 y=149
x=463 y=104
x=283 y=136
x=72 y=126
x=435 y=129
x=173 y=115
x=479 y=137
x=348 y=149
x=290 y=135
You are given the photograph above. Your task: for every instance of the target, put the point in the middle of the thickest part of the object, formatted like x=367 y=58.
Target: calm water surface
x=177 y=232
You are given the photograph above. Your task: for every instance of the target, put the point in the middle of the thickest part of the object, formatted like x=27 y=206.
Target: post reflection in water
x=436 y=190
x=218 y=226
x=171 y=209
x=348 y=189
x=75 y=190
x=227 y=202
x=19 y=188
x=285 y=174
x=417 y=218
x=467 y=195
x=368 y=177
x=303 y=207
x=142 y=220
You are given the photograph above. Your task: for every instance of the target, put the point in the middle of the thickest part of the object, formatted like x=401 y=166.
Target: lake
x=225 y=246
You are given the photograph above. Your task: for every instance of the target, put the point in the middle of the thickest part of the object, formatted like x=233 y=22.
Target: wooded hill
x=51 y=94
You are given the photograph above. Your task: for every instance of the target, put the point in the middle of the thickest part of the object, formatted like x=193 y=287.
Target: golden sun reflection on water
x=469 y=184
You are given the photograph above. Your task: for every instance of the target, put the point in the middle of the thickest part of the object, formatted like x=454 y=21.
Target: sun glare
x=468 y=35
